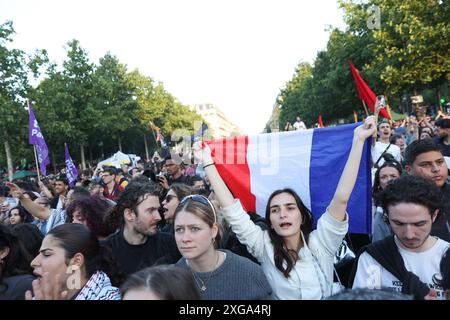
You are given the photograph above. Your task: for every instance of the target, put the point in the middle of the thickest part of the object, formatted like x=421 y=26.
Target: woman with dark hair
x=164 y=282
x=91 y=212
x=15 y=271
x=444 y=279
x=71 y=265
x=297 y=261
x=30 y=236
x=219 y=274
x=173 y=197
x=425 y=133
x=389 y=171
x=19 y=215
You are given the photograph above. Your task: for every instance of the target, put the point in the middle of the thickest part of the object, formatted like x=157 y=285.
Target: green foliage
x=409 y=53
x=87 y=105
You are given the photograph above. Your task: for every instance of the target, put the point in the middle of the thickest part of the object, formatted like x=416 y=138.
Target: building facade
x=219 y=125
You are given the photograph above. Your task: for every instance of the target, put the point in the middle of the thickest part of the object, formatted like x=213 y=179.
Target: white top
x=299 y=125
x=370 y=274
x=312 y=275
x=378 y=149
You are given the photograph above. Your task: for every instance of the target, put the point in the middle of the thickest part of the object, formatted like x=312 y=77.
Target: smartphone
x=381 y=102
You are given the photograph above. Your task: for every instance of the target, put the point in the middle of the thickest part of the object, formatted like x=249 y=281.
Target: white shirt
x=299 y=125
x=312 y=275
x=378 y=149
x=370 y=274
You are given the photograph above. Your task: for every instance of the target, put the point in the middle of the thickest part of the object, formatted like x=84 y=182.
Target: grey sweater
x=237 y=278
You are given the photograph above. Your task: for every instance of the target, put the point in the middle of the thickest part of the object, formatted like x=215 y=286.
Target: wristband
x=211 y=164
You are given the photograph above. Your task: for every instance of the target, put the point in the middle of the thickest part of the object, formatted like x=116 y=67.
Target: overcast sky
x=236 y=54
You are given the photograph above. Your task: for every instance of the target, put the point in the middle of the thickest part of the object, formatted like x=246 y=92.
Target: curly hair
x=412 y=189
x=93 y=210
x=130 y=198
x=281 y=253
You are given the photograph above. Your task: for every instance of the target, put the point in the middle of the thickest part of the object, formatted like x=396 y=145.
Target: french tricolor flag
x=308 y=161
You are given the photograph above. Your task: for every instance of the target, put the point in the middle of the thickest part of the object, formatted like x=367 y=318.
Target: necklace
x=197 y=278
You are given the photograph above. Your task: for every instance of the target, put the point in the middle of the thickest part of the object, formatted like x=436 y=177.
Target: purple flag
x=35 y=137
x=71 y=169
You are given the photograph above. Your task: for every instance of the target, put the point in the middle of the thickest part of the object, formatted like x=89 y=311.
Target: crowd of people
x=167 y=230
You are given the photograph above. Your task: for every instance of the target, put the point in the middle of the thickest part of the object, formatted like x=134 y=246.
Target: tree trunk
x=120 y=144
x=146 y=147
x=9 y=160
x=90 y=153
x=83 y=161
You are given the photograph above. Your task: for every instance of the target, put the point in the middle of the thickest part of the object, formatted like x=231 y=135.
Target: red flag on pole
x=320 y=122
x=365 y=93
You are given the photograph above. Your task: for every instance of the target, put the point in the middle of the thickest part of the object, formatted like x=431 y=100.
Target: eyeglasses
x=170 y=197
x=201 y=199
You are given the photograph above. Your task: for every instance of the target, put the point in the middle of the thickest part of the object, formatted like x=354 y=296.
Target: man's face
x=384 y=130
x=401 y=144
x=171 y=167
x=443 y=132
x=411 y=223
x=146 y=216
x=430 y=165
x=60 y=187
x=107 y=177
x=95 y=189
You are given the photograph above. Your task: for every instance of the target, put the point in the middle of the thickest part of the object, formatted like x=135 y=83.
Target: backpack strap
x=386 y=253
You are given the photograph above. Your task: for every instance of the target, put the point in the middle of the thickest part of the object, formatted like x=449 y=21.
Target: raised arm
x=46 y=192
x=338 y=205
x=36 y=210
x=221 y=190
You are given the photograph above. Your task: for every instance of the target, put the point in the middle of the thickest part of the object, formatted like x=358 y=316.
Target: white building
x=218 y=123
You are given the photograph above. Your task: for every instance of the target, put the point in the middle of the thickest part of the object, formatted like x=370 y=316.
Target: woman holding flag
x=297 y=261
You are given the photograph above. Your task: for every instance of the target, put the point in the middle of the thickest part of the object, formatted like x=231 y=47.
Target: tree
x=410 y=48
x=15 y=66
x=115 y=105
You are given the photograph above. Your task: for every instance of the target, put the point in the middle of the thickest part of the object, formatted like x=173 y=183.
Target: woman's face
x=51 y=259
x=78 y=217
x=285 y=216
x=169 y=204
x=14 y=217
x=194 y=236
x=387 y=174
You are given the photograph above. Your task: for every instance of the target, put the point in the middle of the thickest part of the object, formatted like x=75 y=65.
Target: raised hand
x=45 y=289
x=202 y=153
x=15 y=190
x=367 y=129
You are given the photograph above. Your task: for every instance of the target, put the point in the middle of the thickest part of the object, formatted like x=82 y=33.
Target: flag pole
x=37 y=166
x=365 y=108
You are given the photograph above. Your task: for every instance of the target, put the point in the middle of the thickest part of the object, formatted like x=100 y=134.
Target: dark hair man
x=138 y=244
x=408 y=260
x=443 y=139
x=424 y=158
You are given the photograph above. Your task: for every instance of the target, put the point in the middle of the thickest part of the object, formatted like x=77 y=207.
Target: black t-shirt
x=441 y=225
x=181 y=179
x=158 y=249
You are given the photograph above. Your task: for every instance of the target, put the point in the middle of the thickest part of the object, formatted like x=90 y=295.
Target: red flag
x=365 y=93
x=320 y=122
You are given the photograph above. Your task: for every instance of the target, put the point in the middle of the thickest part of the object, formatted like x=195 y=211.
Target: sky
x=235 y=54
